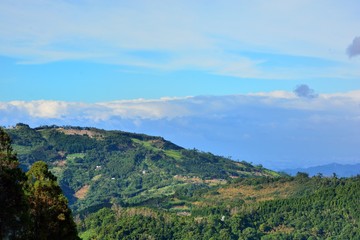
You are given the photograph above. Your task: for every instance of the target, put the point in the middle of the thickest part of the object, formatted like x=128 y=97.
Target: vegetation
x=330 y=210
x=97 y=168
x=51 y=217
x=13 y=214
x=33 y=206
x=133 y=186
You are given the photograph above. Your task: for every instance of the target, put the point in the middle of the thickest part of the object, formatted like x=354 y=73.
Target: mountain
x=97 y=168
x=341 y=170
x=133 y=186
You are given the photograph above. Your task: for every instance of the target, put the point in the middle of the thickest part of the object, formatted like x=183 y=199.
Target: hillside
x=341 y=170
x=133 y=186
x=261 y=208
x=98 y=168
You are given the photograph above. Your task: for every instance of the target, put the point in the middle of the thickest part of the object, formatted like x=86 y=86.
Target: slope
x=98 y=168
x=262 y=208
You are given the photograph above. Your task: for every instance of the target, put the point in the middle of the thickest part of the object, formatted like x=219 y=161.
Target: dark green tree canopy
x=49 y=210
x=13 y=214
x=32 y=205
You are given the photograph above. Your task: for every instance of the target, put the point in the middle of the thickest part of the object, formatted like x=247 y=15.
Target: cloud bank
x=277 y=129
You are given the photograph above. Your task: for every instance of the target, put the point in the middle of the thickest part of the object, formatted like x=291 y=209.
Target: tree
x=51 y=217
x=13 y=212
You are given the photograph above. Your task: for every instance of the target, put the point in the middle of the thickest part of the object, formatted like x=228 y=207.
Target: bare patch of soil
x=82 y=132
x=81 y=193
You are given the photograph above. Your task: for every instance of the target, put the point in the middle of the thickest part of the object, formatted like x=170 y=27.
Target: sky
x=274 y=82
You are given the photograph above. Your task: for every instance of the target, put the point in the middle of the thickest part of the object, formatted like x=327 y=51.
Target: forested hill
x=133 y=186
x=98 y=168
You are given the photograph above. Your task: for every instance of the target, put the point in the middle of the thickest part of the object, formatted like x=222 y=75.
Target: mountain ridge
x=97 y=168
x=341 y=170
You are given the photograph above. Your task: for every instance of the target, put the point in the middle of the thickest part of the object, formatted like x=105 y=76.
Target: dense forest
x=320 y=208
x=32 y=204
x=123 y=185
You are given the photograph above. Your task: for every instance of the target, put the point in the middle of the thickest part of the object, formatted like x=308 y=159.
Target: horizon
x=272 y=83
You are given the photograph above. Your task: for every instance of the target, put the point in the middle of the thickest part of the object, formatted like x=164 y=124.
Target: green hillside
x=282 y=208
x=98 y=168
x=124 y=185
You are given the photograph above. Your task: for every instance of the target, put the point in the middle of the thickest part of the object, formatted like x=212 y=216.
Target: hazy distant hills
x=341 y=170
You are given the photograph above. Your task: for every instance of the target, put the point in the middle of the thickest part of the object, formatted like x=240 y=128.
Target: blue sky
x=195 y=72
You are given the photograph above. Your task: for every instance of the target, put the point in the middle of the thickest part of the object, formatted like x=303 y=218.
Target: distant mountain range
x=341 y=170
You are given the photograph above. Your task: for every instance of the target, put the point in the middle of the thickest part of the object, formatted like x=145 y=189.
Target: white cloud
x=169 y=108
x=270 y=128
x=128 y=109
x=354 y=95
x=275 y=94
x=150 y=109
x=198 y=34
x=41 y=109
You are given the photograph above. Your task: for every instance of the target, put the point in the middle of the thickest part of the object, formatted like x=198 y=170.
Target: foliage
x=134 y=186
x=126 y=168
x=13 y=213
x=32 y=205
x=48 y=205
x=330 y=211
